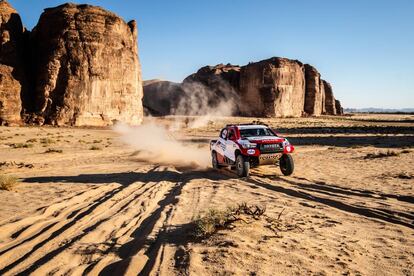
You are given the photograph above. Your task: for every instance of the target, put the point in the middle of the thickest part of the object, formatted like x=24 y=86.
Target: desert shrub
x=47 y=141
x=97 y=141
x=214 y=219
x=8 y=182
x=95 y=148
x=20 y=145
x=381 y=154
x=404 y=175
x=406 y=151
x=49 y=150
x=33 y=140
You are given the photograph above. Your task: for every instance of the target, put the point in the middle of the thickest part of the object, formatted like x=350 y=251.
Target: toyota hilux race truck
x=243 y=146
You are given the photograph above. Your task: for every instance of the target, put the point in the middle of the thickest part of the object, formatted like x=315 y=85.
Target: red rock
x=12 y=68
x=313 y=91
x=86 y=67
x=330 y=108
x=273 y=88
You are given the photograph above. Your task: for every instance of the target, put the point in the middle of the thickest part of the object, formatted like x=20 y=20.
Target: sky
x=365 y=49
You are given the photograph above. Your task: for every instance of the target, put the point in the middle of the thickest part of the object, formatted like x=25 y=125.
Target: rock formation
x=161 y=97
x=86 y=68
x=276 y=87
x=273 y=88
x=313 y=91
x=330 y=108
x=12 y=69
x=219 y=78
x=338 y=108
x=323 y=97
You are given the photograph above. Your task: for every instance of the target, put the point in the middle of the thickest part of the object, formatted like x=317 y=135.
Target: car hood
x=265 y=139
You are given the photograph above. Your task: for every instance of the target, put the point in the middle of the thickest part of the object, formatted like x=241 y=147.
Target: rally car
x=243 y=146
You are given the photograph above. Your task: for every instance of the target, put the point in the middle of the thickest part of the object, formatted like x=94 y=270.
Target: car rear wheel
x=214 y=161
x=286 y=164
x=242 y=166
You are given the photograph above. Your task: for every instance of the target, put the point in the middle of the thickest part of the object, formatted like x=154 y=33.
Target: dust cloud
x=155 y=144
x=205 y=103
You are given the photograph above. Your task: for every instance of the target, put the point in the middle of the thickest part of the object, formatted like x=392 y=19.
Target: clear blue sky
x=364 y=48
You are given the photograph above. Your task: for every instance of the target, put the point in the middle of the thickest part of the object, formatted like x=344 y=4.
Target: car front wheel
x=242 y=166
x=286 y=164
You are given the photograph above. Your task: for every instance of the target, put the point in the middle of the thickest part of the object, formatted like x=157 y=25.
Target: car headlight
x=248 y=145
x=286 y=143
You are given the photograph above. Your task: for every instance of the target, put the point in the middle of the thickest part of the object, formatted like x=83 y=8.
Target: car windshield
x=252 y=132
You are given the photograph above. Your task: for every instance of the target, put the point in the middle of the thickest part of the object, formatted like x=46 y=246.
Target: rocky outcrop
x=338 y=108
x=219 y=78
x=161 y=97
x=330 y=108
x=323 y=97
x=12 y=67
x=276 y=87
x=313 y=91
x=86 y=67
x=273 y=88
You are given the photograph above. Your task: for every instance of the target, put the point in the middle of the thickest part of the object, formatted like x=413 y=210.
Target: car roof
x=250 y=126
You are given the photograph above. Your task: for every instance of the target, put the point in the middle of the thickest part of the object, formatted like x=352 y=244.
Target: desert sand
x=100 y=207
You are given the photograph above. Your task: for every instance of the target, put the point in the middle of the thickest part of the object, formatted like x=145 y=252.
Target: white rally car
x=242 y=146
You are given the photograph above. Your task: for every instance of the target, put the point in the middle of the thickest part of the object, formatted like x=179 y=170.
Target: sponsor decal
x=269 y=156
x=251 y=151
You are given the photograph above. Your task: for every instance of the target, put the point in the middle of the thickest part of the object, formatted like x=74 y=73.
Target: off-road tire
x=242 y=166
x=214 y=161
x=286 y=164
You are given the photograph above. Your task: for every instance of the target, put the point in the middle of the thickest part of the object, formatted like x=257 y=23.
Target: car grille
x=270 y=148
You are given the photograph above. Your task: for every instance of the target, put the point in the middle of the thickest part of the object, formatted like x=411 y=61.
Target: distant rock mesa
x=275 y=87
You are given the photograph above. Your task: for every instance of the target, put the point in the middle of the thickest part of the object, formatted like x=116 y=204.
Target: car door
x=231 y=145
x=221 y=145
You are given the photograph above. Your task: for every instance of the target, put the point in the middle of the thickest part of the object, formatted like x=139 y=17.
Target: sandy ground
x=85 y=211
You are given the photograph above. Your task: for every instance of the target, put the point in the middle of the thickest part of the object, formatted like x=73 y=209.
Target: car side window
x=231 y=135
x=223 y=133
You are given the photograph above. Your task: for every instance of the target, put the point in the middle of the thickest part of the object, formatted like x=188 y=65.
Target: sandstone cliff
x=12 y=68
x=323 y=96
x=330 y=108
x=273 y=88
x=313 y=91
x=276 y=87
x=338 y=108
x=220 y=78
x=86 y=68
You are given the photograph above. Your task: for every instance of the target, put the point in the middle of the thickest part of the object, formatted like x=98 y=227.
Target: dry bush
x=214 y=220
x=33 y=140
x=47 y=141
x=53 y=151
x=381 y=154
x=403 y=175
x=20 y=145
x=95 y=148
x=8 y=182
